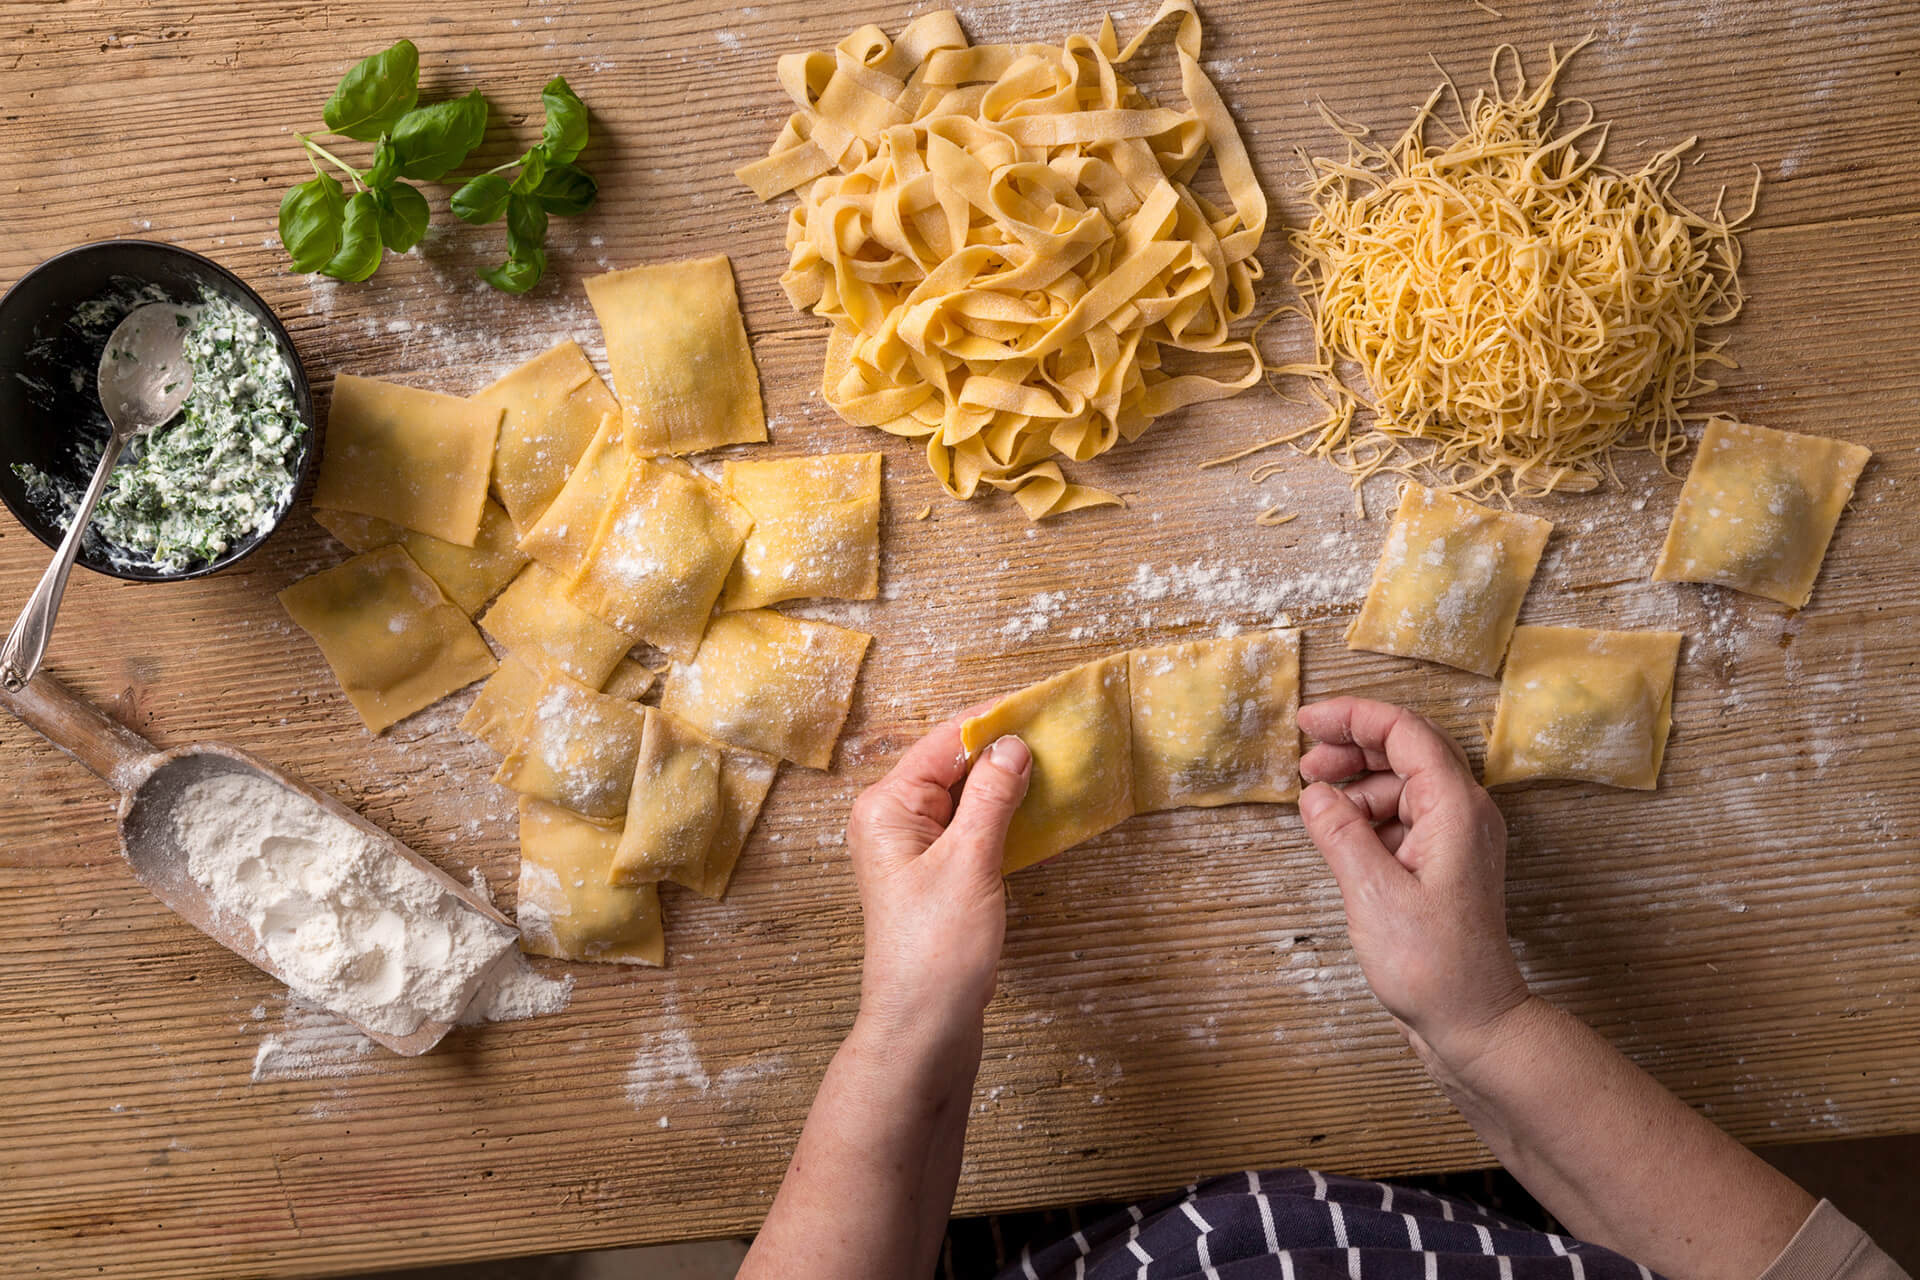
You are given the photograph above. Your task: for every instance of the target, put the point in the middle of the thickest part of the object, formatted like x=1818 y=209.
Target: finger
x=900 y=815
x=1360 y=864
x=1335 y=762
x=1411 y=743
x=1392 y=835
x=995 y=787
x=1377 y=795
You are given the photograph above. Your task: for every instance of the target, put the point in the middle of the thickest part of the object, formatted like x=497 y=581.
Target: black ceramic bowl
x=43 y=403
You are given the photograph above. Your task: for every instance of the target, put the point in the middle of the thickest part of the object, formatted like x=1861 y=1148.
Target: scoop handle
x=82 y=730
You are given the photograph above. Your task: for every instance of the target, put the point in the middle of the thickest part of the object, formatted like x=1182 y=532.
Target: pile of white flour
x=350 y=925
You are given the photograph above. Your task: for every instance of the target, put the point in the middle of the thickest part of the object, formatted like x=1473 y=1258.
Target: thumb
x=994 y=789
x=1345 y=837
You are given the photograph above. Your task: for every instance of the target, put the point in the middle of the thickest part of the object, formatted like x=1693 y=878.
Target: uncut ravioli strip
x=679 y=356
x=1451 y=576
x=534 y=618
x=1758 y=510
x=394 y=641
x=816 y=529
x=576 y=749
x=551 y=406
x=1588 y=706
x=415 y=458
x=660 y=556
x=1213 y=721
x=470 y=576
x=1078 y=725
x=777 y=685
x=567 y=908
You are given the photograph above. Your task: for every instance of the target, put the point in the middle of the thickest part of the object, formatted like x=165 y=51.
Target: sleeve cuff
x=1829 y=1247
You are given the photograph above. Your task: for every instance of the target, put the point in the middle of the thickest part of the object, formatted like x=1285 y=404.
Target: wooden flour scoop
x=150 y=782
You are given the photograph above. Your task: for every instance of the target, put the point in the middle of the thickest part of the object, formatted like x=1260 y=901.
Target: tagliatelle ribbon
x=1006 y=243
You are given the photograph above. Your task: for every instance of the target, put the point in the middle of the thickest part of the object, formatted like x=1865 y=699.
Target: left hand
x=930 y=888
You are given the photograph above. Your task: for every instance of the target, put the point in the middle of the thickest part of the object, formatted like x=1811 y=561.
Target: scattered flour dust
x=669 y=1064
x=311 y=1043
x=351 y=926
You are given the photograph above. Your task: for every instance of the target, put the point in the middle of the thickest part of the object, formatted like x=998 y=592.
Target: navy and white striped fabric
x=1297 y=1224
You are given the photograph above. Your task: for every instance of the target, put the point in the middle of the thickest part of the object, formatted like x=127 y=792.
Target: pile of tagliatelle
x=1518 y=309
x=1006 y=242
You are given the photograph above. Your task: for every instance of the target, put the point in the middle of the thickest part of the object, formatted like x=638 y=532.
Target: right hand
x=931 y=899
x=1419 y=850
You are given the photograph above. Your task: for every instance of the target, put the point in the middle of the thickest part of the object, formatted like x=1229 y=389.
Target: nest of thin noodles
x=1008 y=246
x=1518 y=309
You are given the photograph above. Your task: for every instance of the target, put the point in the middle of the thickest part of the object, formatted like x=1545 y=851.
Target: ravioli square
x=777 y=685
x=816 y=529
x=1079 y=727
x=470 y=576
x=673 y=809
x=1758 y=510
x=1450 y=580
x=395 y=642
x=566 y=908
x=551 y=406
x=1213 y=721
x=678 y=352
x=745 y=779
x=416 y=458
x=631 y=679
x=1588 y=706
x=500 y=709
x=576 y=748
x=534 y=619
x=660 y=557
x=560 y=537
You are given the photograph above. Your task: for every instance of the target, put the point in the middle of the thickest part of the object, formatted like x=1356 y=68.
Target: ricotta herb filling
x=220 y=471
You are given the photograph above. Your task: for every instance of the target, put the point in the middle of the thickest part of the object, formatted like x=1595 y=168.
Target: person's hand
x=1420 y=851
x=930 y=888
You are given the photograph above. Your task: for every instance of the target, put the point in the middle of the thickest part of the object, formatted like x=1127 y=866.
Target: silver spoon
x=144 y=379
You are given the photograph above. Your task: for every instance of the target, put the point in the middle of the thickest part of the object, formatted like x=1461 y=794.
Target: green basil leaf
x=403 y=215
x=565 y=132
x=481 y=199
x=567 y=190
x=385 y=161
x=517 y=274
x=526 y=226
x=373 y=96
x=533 y=171
x=359 y=255
x=310 y=218
x=431 y=141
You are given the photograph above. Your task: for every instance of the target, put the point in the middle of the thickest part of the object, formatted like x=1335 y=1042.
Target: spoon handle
x=82 y=730
x=27 y=643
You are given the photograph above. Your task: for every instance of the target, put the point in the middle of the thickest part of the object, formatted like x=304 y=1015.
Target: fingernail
x=1315 y=799
x=1009 y=753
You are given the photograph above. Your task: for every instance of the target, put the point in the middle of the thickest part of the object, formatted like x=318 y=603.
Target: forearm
x=1611 y=1153
x=871 y=1183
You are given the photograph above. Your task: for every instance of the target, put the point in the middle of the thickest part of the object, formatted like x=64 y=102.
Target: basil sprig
x=548 y=182
x=346 y=236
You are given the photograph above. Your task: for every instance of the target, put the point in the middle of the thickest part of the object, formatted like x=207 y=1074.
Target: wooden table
x=1177 y=997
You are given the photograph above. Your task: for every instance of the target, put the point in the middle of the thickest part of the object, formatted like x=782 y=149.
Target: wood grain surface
x=1177 y=997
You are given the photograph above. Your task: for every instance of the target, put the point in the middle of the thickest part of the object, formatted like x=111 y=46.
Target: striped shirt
x=1299 y=1224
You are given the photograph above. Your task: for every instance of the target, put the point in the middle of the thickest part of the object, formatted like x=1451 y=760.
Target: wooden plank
x=1177 y=997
